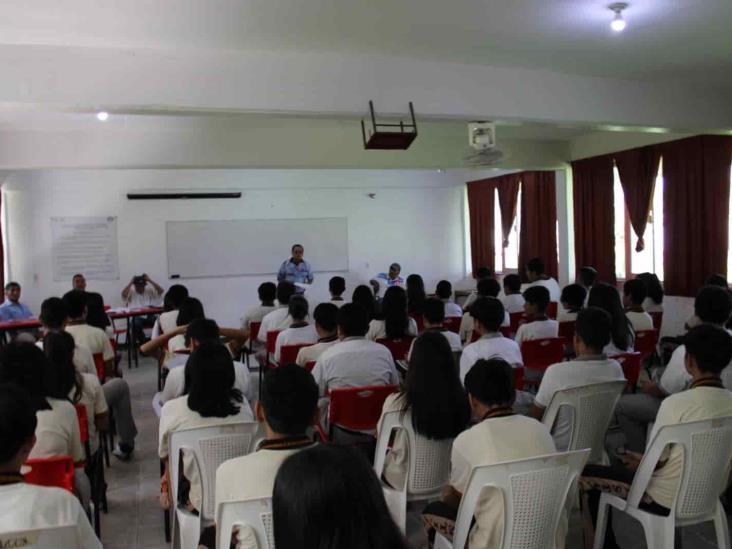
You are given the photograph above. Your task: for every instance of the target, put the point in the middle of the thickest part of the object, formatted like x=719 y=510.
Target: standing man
x=392 y=278
x=137 y=295
x=296 y=269
x=12 y=308
x=78 y=282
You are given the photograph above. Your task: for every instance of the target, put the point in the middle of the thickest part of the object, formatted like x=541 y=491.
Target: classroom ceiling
x=683 y=40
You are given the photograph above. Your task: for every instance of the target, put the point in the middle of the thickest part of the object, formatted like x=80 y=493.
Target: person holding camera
x=142 y=291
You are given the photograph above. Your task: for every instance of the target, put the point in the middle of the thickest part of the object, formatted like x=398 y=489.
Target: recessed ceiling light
x=102 y=116
x=618 y=23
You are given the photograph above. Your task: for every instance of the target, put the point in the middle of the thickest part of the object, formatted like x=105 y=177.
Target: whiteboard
x=198 y=249
x=85 y=245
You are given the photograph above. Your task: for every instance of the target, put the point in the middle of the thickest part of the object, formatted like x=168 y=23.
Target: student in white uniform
x=354 y=361
x=513 y=300
x=433 y=395
x=592 y=333
x=142 y=292
x=434 y=317
x=299 y=332
x=279 y=319
x=572 y=300
x=635 y=411
x=487 y=287
x=96 y=315
x=23 y=506
x=444 y=292
x=190 y=309
x=53 y=319
x=587 y=278
x=480 y=274
x=500 y=435
x=267 y=293
x=708 y=350
x=634 y=294
x=287 y=408
x=210 y=399
x=607 y=298
x=488 y=313
x=392 y=322
x=535 y=272
x=363 y=296
x=337 y=287
x=198 y=332
x=324 y=316
x=171 y=303
x=538 y=325
x=416 y=294
x=654 y=302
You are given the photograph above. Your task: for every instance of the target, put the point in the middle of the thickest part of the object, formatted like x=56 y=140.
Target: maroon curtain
x=594 y=234
x=481 y=203
x=638 y=169
x=695 y=211
x=538 y=237
x=508 y=187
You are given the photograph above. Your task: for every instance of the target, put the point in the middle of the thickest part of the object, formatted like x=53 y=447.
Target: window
x=506 y=258
x=628 y=262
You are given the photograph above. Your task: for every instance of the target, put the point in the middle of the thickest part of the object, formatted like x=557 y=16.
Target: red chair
x=539 y=354
x=631 y=365
x=419 y=320
x=310 y=365
x=552 y=310
x=357 y=408
x=505 y=330
x=452 y=323
x=516 y=319
x=99 y=364
x=271 y=344
x=83 y=427
x=288 y=353
x=399 y=347
x=657 y=317
x=566 y=331
x=518 y=378
x=475 y=336
x=57 y=471
x=253 y=333
x=645 y=342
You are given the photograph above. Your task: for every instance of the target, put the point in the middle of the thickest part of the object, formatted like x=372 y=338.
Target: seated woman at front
x=572 y=300
x=209 y=398
x=393 y=321
x=538 y=325
x=607 y=298
x=653 y=303
x=434 y=398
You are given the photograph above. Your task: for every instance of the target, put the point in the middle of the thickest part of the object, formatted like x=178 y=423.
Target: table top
x=126 y=312
x=16 y=324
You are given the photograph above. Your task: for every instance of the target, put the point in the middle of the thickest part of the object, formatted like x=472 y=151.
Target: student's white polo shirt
x=490 y=346
x=377 y=329
x=513 y=303
x=279 y=319
x=57 y=432
x=555 y=293
x=175 y=382
x=640 y=321
x=295 y=336
x=538 y=329
x=313 y=352
x=94 y=339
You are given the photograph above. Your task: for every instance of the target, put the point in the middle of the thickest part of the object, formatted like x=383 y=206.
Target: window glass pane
x=619 y=204
x=650 y=260
x=511 y=252
x=498 y=233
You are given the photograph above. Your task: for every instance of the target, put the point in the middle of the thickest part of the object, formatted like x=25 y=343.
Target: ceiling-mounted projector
x=482 y=135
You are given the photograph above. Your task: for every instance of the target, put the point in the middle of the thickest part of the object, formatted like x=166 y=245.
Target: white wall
x=415 y=218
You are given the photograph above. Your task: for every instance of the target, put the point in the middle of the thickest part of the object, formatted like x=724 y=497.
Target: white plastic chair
x=532 y=489
x=707 y=448
x=428 y=467
x=211 y=446
x=58 y=537
x=253 y=513
x=157 y=403
x=592 y=407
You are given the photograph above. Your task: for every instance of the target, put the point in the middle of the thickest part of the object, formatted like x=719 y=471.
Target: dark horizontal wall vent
x=181 y=196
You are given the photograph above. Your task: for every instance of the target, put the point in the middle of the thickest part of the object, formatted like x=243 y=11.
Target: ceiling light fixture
x=102 y=116
x=618 y=23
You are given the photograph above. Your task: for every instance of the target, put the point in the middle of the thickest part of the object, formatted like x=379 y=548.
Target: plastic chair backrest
x=399 y=348
x=475 y=336
x=254 y=330
x=56 y=537
x=254 y=513
x=534 y=491
x=552 y=310
x=515 y=320
x=429 y=460
x=707 y=446
x=518 y=378
x=288 y=353
x=272 y=340
x=452 y=323
x=645 y=342
x=310 y=365
x=592 y=407
x=83 y=422
x=419 y=320
x=358 y=408
x=505 y=331
x=539 y=354
x=55 y=471
x=631 y=365
x=657 y=317
x=211 y=445
x=566 y=330
x=99 y=365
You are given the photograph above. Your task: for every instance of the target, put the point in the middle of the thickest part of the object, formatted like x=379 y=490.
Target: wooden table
x=127 y=314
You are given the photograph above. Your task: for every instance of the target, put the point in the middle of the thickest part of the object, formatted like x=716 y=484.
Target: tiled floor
x=135 y=520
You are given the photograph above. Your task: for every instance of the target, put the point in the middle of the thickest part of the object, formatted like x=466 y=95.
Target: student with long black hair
x=328 y=497
x=434 y=397
x=416 y=295
x=96 y=315
x=363 y=296
x=607 y=298
x=654 y=301
x=171 y=303
x=393 y=322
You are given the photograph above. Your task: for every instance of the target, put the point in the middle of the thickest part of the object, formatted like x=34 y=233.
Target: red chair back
x=505 y=330
x=83 y=422
x=254 y=329
x=518 y=378
x=539 y=354
x=288 y=353
x=99 y=364
x=515 y=321
x=310 y=365
x=475 y=336
x=452 y=323
x=566 y=330
x=419 y=320
x=645 y=342
x=552 y=309
x=399 y=347
x=657 y=317
x=57 y=471
x=272 y=340
x=358 y=408
x=631 y=365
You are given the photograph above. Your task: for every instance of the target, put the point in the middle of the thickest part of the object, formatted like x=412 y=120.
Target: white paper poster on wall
x=85 y=245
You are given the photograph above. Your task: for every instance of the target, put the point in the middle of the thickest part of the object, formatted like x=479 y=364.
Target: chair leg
x=660 y=532
x=601 y=525
x=720 y=526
